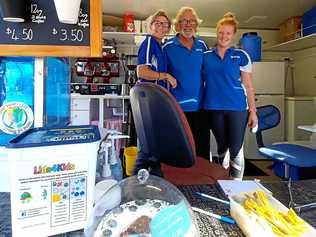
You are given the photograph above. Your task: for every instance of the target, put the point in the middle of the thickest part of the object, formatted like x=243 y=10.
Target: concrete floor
x=264 y=165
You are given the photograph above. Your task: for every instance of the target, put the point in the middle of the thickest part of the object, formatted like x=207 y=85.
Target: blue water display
x=17 y=94
x=16 y=85
x=57 y=99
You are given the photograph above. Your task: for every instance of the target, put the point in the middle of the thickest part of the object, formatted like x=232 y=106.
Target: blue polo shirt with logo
x=223 y=87
x=150 y=53
x=185 y=65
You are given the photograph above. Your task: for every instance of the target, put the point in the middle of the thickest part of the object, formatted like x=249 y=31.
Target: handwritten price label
x=37 y=14
x=23 y=34
x=74 y=35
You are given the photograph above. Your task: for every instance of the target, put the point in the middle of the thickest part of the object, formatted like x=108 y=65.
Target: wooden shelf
x=295 y=45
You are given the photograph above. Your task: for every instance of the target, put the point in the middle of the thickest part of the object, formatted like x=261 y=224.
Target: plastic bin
x=52 y=174
x=309 y=22
x=251 y=43
x=295 y=173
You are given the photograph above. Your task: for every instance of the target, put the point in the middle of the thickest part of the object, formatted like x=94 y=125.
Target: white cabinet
x=268 y=77
x=83 y=111
x=80 y=104
x=87 y=108
x=299 y=110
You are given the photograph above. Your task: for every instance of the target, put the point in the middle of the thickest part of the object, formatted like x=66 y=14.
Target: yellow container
x=130 y=154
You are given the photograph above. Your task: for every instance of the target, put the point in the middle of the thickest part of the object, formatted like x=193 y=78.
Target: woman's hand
x=252 y=119
x=170 y=79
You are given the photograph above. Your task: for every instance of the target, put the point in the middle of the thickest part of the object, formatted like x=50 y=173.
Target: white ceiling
x=260 y=14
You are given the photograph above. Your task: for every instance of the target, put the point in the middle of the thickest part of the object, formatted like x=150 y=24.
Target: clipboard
x=235 y=187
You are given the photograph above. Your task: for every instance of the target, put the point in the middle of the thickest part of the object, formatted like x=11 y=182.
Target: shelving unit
x=106 y=96
x=129 y=37
x=122 y=37
x=86 y=98
x=295 y=45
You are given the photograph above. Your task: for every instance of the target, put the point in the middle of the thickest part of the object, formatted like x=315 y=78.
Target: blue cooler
x=251 y=43
x=52 y=177
x=309 y=22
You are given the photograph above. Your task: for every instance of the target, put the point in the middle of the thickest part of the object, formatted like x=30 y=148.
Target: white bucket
x=83 y=156
x=52 y=183
x=68 y=10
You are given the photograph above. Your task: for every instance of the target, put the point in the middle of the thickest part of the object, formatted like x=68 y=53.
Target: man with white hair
x=184 y=62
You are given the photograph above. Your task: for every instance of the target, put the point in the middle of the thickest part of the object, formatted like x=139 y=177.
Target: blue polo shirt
x=150 y=53
x=185 y=65
x=223 y=87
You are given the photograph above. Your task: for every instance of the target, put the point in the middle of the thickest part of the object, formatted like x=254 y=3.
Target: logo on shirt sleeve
x=154 y=62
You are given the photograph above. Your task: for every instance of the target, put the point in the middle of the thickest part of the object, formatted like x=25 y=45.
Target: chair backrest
x=161 y=126
x=268 y=117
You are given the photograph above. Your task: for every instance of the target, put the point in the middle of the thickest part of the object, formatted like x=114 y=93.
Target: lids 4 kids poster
x=49 y=198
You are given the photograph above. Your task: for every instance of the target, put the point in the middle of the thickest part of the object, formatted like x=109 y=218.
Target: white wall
x=301 y=78
x=305 y=72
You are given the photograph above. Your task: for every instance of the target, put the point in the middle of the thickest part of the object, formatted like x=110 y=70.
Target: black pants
x=228 y=128
x=200 y=134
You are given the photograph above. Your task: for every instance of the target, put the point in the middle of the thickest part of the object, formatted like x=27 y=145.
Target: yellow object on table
x=260 y=215
x=130 y=154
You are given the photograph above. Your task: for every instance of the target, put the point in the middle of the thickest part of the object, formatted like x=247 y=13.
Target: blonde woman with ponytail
x=229 y=94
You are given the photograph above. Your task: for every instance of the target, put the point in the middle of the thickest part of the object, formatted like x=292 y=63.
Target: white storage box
x=52 y=173
x=4 y=171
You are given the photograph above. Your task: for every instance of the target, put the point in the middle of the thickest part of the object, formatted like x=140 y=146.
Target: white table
x=312 y=129
x=309 y=128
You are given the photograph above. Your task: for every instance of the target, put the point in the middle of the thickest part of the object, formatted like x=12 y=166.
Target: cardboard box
x=290 y=29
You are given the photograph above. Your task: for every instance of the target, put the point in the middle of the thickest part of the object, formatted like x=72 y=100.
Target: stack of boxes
x=297 y=26
x=290 y=29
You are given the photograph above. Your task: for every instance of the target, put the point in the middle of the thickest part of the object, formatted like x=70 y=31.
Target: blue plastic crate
x=309 y=22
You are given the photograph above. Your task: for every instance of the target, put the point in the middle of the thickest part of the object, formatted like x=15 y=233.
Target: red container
x=129 y=23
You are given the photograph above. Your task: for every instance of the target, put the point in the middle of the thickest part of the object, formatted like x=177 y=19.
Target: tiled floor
x=264 y=165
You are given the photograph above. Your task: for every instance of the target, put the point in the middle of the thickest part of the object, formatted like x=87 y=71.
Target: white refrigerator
x=268 y=80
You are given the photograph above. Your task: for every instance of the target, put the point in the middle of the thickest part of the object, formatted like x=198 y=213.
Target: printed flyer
x=48 y=197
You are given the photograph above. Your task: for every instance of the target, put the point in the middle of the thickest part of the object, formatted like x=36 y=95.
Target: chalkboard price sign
x=42 y=28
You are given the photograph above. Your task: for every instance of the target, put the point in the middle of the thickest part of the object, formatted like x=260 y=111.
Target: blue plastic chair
x=288 y=158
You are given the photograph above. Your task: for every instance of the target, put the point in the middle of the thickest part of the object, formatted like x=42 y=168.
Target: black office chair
x=165 y=136
x=288 y=158
x=162 y=129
